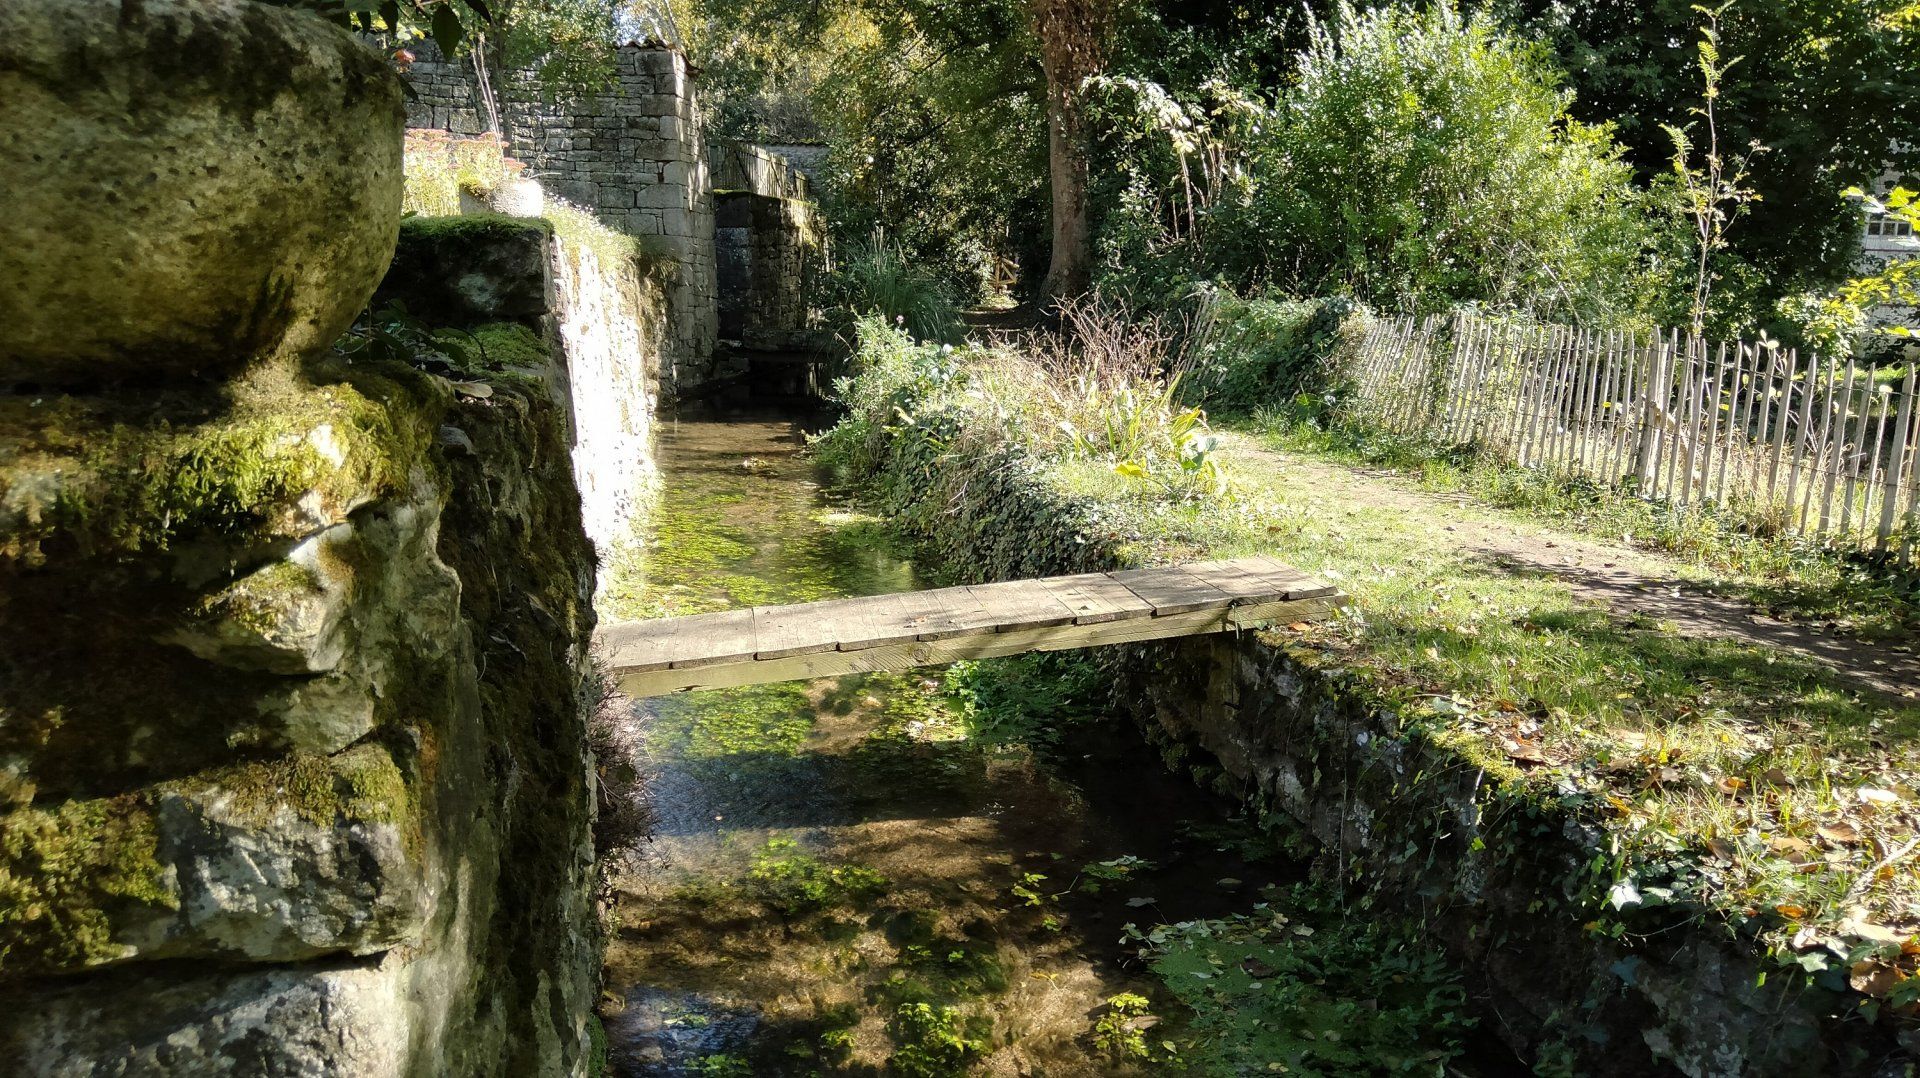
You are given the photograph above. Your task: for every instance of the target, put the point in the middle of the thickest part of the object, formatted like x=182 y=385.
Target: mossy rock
x=283 y=860
x=473 y=270
x=194 y=185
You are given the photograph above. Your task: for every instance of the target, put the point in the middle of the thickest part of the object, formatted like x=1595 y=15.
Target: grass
x=1784 y=575
x=1699 y=743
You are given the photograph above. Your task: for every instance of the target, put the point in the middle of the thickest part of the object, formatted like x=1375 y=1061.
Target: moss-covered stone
x=472 y=270
x=317 y=789
x=66 y=871
x=275 y=453
x=196 y=184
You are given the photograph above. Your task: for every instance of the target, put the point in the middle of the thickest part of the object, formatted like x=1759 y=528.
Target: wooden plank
x=1835 y=439
x=1299 y=585
x=877 y=620
x=1172 y=591
x=1246 y=585
x=1019 y=604
x=942 y=612
x=977 y=646
x=1897 y=467
x=1095 y=598
x=781 y=631
x=653 y=645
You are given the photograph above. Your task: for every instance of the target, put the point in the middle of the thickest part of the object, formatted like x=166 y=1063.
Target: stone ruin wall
x=769 y=245
x=634 y=156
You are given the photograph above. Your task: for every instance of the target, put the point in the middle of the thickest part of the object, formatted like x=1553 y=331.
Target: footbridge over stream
x=925 y=628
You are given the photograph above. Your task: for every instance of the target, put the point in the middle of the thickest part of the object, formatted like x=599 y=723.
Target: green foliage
x=1423 y=159
x=1038 y=701
x=876 y=279
x=721 y=1065
x=1826 y=85
x=1251 y=354
x=931 y=110
x=797 y=884
x=934 y=1041
x=1312 y=985
x=1118 y=1033
x=1838 y=323
x=449 y=22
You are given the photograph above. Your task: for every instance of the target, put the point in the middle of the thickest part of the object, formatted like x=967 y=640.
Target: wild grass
x=1099 y=392
x=439 y=167
x=877 y=280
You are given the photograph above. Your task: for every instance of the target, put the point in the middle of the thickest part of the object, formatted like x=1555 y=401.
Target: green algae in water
x=756 y=720
x=1312 y=984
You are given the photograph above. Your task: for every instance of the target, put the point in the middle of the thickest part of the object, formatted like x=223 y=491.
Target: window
x=1888 y=226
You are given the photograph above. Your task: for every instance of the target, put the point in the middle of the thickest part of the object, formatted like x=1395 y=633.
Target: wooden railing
x=1808 y=447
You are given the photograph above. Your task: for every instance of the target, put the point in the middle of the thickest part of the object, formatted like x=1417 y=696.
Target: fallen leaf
x=1797 y=850
x=1874 y=978
x=479 y=390
x=1840 y=834
x=1790 y=911
x=1721 y=850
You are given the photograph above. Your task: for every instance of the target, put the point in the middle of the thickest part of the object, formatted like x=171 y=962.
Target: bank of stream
x=950 y=869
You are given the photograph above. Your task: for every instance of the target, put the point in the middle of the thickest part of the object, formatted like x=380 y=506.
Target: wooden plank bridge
x=925 y=628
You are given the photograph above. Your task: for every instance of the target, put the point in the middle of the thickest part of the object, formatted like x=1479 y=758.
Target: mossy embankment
x=282 y=658
x=1575 y=877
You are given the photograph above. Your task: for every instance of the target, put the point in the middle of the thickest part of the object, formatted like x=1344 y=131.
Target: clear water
x=829 y=853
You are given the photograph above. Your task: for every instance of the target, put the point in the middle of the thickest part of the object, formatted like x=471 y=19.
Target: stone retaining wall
x=294 y=686
x=634 y=155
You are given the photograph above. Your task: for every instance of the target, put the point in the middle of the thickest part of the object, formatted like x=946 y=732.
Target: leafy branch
x=1714 y=191
x=448 y=22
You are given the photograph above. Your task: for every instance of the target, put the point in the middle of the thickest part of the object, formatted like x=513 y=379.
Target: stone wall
x=768 y=250
x=634 y=156
x=606 y=313
x=612 y=322
x=293 y=681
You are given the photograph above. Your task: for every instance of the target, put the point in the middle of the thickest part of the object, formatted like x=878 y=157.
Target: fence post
x=1897 y=467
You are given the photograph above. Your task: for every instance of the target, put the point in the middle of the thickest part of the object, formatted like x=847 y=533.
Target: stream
x=843 y=876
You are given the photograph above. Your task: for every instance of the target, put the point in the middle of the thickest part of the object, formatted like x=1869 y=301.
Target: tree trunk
x=1074 y=35
x=1070 y=271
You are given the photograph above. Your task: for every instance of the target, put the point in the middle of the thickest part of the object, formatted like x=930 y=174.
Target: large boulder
x=192 y=185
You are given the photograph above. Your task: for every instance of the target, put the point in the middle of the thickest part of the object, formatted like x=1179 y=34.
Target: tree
x=1826 y=85
x=1075 y=38
x=1713 y=192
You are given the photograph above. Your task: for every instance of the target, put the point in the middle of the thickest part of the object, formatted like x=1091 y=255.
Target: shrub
x=877 y=279
x=1427 y=158
x=1251 y=354
x=1419 y=159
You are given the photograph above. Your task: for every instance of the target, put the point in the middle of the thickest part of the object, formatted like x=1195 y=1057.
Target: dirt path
x=1628 y=581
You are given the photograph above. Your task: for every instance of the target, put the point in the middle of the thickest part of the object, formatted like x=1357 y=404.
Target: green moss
x=758 y=720
x=479 y=228
x=258 y=601
x=125 y=481
x=65 y=872
x=579 y=230
x=362 y=784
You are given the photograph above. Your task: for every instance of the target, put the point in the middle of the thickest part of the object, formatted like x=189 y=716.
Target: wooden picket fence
x=1807 y=447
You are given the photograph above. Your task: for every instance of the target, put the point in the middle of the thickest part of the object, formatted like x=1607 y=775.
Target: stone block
x=263 y=233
